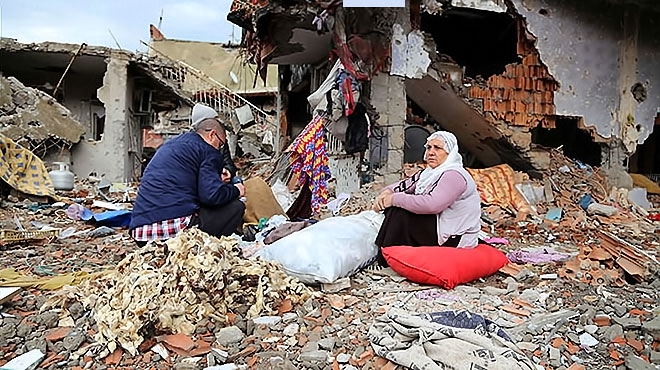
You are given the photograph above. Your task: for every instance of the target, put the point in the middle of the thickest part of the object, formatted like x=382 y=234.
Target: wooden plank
x=7 y=293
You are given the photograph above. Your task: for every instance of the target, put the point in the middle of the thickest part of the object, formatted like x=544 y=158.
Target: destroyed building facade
x=220 y=67
x=509 y=78
x=95 y=107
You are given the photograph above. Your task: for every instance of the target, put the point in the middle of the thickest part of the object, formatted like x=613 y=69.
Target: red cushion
x=444 y=266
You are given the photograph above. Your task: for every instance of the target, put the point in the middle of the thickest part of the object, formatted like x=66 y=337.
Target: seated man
x=184 y=185
x=200 y=112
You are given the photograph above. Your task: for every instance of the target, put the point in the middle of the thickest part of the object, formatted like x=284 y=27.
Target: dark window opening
x=576 y=143
x=297 y=114
x=646 y=159
x=483 y=42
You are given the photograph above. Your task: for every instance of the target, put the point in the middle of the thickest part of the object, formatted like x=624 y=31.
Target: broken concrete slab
x=30 y=113
x=26 y=361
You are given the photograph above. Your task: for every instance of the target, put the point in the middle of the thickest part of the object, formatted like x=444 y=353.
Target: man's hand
x=226 y=176
x=241 y=189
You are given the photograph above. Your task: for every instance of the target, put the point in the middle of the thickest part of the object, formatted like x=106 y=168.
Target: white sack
x=328 y=250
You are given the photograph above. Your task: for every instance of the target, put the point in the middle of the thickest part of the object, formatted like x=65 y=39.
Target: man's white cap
x=201 y=112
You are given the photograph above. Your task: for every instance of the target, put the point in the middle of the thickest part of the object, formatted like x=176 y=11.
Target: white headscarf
x=430 y=175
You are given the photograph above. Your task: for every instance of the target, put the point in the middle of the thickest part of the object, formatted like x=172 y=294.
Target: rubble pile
x=27 y=113
x=172 y=286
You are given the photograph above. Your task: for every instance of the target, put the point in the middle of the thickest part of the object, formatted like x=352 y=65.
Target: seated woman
x=437 y=206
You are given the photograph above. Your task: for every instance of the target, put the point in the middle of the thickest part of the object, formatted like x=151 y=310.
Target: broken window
x=575 y=142
x=483 y=42
x=97 y=120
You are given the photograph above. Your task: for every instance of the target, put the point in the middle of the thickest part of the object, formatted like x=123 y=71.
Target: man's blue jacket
x=183 y=176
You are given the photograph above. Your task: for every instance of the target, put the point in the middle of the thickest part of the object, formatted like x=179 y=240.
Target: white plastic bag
x=328 y=250
x=282 y=194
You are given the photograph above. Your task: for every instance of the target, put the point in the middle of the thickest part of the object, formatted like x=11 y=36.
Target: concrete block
x=396 y=137
x=522 y=140
x=540 y=159
x=394 y=161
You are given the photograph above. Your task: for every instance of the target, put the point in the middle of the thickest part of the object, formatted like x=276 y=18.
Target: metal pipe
x=67 y=68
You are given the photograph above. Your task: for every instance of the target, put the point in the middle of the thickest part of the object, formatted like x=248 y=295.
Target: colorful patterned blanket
x=309 y=160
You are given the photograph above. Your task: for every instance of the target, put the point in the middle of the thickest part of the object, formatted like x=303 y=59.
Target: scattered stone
x=613 y=331
x=267 y=320
x=587 y=340
x=343 y=358
x=653 y=327
x=36 y=343
x=289 y=317
x=75 y=338
x=637 y=363
x=314 y=356
x=229 y=335
x=654 y=356
x=47 y=319
x=327 y=344
x=291 y=329
x=628 y=322
x=76 y=310
x=591 y=329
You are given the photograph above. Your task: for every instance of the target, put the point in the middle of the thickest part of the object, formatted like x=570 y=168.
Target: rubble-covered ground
x=594 y=310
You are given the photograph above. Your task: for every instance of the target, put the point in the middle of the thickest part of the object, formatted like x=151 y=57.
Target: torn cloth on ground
x=309 y=160
x=12 y=278
x=176 y=284
x=22 y=170
x=541 y=255
x=456 y=340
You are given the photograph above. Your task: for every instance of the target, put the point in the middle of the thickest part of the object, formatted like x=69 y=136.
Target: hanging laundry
x=310 y=161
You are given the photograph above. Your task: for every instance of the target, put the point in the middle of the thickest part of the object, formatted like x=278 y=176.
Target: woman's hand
x=383 y=200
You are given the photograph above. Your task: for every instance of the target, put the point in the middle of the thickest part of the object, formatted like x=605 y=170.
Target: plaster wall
x=648 y=72
x=581 y=43
x=109 y=156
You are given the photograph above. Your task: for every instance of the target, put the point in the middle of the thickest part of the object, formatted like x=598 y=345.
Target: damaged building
x=510 y=78
x=95 y=106
x=220 y=68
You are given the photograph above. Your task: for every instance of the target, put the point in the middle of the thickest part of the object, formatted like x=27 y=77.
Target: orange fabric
x=496 y=186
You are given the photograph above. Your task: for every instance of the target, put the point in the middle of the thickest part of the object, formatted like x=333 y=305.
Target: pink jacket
x=455 y=200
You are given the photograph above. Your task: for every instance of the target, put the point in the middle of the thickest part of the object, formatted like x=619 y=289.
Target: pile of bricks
x=521 y=96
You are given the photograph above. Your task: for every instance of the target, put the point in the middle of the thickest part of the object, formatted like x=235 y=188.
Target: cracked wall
x=597 y=61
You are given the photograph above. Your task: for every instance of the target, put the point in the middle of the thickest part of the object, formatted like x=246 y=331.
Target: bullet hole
x=639 y=92
x=544 y=12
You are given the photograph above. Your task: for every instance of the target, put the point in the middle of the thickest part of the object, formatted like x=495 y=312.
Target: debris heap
x=32 y=115
x=171 y=286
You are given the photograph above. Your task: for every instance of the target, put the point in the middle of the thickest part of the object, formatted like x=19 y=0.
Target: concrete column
x=388 y=96
x=109 y=156
x=624 y=132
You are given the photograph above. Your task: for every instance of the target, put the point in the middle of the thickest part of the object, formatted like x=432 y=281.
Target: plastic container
x=62 y=177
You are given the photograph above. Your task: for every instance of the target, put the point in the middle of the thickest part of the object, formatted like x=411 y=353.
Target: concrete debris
x=27 y=113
